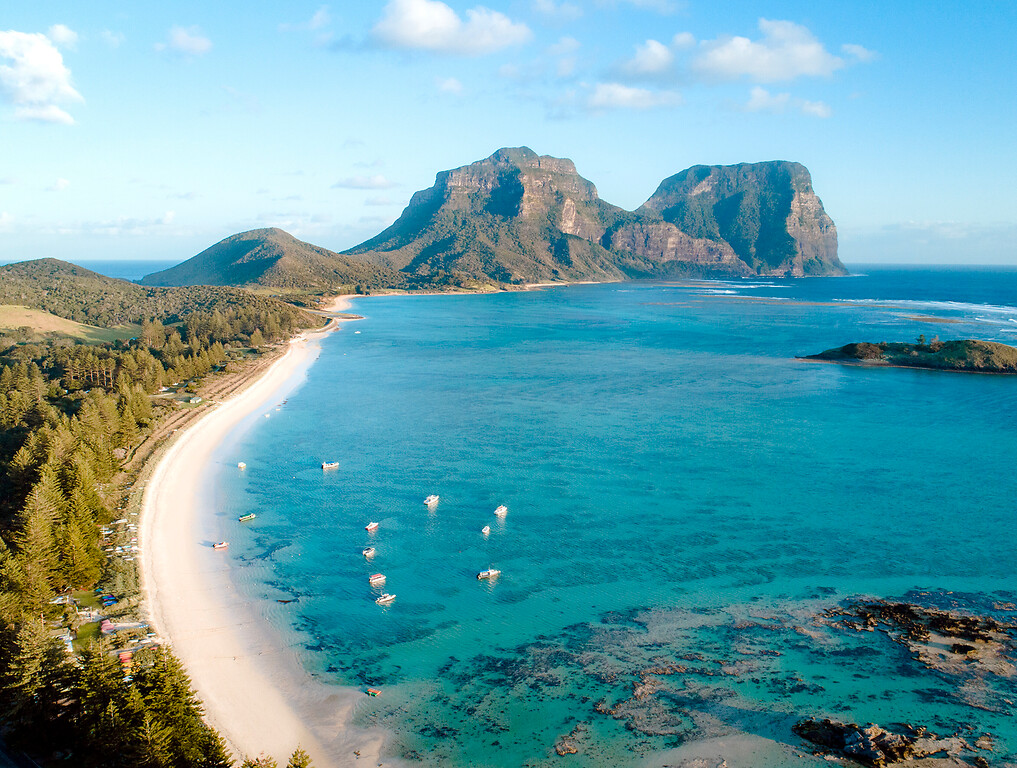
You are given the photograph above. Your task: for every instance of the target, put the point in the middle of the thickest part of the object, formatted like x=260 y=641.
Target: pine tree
x=34 y=541
x=299 y=759
x=35 y=681
x=262 y=761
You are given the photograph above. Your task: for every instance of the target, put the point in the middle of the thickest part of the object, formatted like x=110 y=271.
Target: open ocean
x=686 y=501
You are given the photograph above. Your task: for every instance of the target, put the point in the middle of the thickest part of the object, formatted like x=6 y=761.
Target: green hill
x=86 y=297
x=274 y=258
x=38 y=323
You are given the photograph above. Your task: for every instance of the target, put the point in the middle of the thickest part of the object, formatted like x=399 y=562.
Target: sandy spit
x=247 y=675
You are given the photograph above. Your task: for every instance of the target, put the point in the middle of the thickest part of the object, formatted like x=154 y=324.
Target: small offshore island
x=969 y=355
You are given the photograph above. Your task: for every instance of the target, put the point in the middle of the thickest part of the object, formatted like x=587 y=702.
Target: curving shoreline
x=250 y=680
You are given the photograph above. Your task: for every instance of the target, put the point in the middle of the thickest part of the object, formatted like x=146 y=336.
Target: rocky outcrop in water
x=968 y=355
x=875 y=746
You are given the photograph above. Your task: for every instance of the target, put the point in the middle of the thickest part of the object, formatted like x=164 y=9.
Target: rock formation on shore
x=520 y=217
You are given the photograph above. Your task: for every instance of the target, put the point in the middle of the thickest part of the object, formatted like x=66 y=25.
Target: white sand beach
x=247 y=675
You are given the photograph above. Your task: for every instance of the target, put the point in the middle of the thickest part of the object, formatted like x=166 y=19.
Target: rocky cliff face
x=513 y=217
x=767 y=213
x=521 y=217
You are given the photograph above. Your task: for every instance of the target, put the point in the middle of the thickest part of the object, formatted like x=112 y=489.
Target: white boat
x=329 y=464
x=431 y=500
x=490 y=573
x=501 y=511
x=372 y=526
x=221 y=545
x=368 y=552
x=245 y=518
x=376 y=578
x=385 y=599
x=241 y=465
x=485 y=530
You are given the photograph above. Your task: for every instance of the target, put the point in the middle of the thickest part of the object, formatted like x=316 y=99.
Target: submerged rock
x=569 y=745
x=873 y=745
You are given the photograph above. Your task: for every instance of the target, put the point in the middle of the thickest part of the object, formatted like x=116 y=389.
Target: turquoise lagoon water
x=684 y=497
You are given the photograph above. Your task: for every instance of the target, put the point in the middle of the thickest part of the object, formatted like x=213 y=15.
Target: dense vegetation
x=84 y=296
x=961 y=355
x=70 y=414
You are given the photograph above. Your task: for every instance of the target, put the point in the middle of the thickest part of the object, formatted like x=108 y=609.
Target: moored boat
x=501 y=511
x=376 y=578
x=485 y=530
x=368 y=552
x=490 y=573
x=241 y=465
x=329 y=464
x=372 y=526
x=220 y=545
x=245 y=518
x=431 y=500
x=385 y=599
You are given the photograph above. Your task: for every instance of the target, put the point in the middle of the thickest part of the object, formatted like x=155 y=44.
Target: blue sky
x=153 y=132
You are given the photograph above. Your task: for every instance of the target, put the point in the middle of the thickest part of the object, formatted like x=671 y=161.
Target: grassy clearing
x=43 y=324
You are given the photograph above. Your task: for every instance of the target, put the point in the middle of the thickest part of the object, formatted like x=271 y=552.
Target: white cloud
x=786 y=51
x=564 y=46
x=431 y=25
x=558 y=12
x=6 y=221
x=665 y=7
x=58 y=186
x=651 y=58
x=683 y=40
x=122 y=225
x=618 y=96
x=816 y=109
x=48 y=113
x=858 y=52
x=112 y=39
x=364 y=182
x=761 y=100
x=448 y=85
x=63 y=36
x=186 y=42
x=321 y=18
x=33 y=78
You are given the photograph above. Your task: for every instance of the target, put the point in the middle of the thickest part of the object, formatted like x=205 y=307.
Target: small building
x=194 y=400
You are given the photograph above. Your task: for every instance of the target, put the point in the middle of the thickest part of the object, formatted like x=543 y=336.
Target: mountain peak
x=272 y=257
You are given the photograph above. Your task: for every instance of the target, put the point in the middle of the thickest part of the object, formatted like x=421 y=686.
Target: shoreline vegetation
x=82 y=425
x=229 y=649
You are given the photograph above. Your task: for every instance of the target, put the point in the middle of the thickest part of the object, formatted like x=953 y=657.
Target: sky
x=151 y=131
